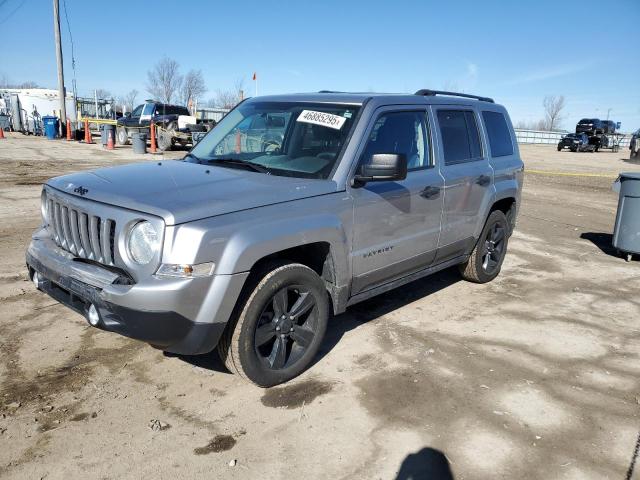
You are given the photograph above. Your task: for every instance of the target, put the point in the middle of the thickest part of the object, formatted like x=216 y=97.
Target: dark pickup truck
x=171 y=120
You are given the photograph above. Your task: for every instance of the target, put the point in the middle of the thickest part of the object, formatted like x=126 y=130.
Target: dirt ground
x=533 y=376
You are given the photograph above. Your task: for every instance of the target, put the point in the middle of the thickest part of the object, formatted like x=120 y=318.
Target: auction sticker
x=321 y=118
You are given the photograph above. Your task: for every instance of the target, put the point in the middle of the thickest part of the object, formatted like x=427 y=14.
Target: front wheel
x=486 y=259
x=277 y=331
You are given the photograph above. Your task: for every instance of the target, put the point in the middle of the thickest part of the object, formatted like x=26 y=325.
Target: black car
x=634 y=145
x=590 y=126
x=162 y=114
x=574 y=142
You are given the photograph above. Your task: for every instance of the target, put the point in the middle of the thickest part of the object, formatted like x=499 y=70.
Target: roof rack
x=432 y=93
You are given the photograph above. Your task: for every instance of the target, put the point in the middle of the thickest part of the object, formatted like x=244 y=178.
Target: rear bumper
x=184 y=316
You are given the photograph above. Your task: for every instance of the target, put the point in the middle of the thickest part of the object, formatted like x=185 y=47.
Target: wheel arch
x=318 y=243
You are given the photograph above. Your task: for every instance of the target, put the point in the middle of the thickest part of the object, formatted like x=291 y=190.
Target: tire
x=559 y=148
x=483 y=266
x=165 y=137
x=122 y=138
x=251 y=346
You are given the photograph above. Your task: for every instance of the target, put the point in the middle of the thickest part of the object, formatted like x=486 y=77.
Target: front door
x=396 y=224
x=468 y=180
x=147 y=113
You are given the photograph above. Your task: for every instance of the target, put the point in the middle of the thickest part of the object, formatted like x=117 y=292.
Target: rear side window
x=500 y=143
x=460 y=138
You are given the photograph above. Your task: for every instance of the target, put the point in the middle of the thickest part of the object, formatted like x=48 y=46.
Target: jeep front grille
x=85 y=235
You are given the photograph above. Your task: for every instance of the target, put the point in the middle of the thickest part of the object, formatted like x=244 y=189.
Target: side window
x=148 y=109
x=137 y=111
x=500 y=143
x=460 y=138
x=400 y=132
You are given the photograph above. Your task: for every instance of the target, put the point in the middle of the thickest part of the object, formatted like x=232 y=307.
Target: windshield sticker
x=321 y=118
x=347 y=114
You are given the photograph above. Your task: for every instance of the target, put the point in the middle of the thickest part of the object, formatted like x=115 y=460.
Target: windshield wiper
x=241 y=163
x=197 y=159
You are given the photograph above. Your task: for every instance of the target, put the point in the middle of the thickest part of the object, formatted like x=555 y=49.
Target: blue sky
x=514 y=51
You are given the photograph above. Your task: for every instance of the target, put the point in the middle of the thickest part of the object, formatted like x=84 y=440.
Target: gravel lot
x=536 y=375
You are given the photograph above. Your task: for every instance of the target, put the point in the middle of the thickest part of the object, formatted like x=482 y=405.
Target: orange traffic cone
x=109 y=140
x=153 y=137
x=1 y=133
x=68 y=130
x=87 y=132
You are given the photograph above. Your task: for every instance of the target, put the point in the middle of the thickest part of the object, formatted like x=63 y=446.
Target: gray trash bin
x=103 y=135
x=139 y=142
x=626 y=233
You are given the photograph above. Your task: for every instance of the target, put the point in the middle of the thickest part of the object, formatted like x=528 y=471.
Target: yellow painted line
x=570 y=174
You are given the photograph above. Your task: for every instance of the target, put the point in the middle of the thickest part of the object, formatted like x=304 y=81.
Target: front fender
x=249 y=245
x=236 y=242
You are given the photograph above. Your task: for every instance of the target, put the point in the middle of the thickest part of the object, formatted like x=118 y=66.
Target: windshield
x=286 y=138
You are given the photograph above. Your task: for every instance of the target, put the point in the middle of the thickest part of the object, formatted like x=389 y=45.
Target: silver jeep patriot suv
x=291 y=209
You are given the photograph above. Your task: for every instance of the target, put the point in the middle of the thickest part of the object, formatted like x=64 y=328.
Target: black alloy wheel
x=286 y=327
x=493 y=250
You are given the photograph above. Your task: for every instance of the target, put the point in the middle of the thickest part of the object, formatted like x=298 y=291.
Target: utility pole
x=61 y=93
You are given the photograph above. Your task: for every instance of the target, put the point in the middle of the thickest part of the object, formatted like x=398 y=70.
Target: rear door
x=396 y=224
x=468 y=179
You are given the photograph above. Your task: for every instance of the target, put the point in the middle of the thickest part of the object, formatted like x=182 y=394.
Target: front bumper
x=184 y=316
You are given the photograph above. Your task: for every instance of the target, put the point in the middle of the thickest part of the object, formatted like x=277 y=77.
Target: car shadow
x=382 y=304
x=354 y=317
x=635 y=161
x=601 y=240
x=426 y=464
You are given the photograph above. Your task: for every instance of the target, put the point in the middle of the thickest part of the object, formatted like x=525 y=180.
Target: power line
x=12 y=11
x=73 y=57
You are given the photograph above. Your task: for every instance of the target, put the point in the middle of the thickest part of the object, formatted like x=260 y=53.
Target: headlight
x=185 y=270
x=143 y=243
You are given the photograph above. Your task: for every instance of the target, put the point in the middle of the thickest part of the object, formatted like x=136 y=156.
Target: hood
x=181 y=191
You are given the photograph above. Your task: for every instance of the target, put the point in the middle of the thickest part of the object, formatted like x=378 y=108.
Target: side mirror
x=382 y=167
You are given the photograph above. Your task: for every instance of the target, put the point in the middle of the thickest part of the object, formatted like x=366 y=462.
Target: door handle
x=430 y=192
x=483 y=180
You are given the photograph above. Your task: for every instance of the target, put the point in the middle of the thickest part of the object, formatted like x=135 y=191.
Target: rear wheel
x=165 y=137
x=485 y=261
x=121 y=136
x=277 y=330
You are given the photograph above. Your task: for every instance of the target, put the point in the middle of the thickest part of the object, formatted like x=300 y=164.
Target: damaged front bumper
x=184 y=316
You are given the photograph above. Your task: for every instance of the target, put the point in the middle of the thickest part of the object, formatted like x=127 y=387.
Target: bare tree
x=103 y=93
x=229 y=98
x=28 y=84
x=164 y=80
x=193 y=87
x=6 y=83
x=553 y=107
x=129 y=99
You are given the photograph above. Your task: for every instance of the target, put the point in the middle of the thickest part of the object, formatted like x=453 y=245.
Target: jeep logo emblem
x=81 y=190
